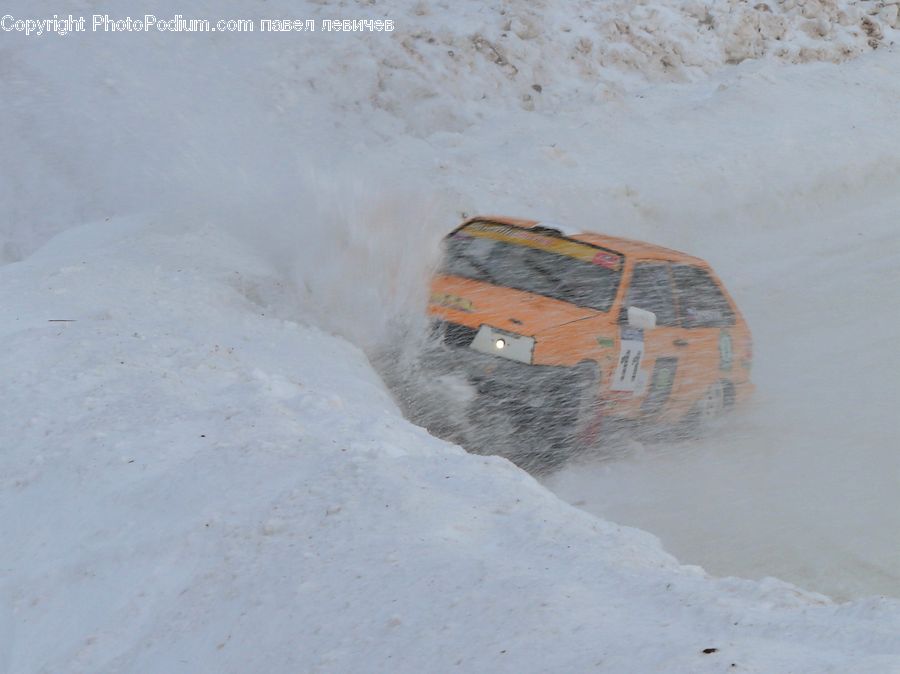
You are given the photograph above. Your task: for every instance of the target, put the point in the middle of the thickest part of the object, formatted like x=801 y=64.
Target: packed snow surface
x=208 y=237
x=200 y=485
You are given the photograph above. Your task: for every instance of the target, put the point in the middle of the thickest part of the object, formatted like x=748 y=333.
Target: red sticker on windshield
x=608 y=260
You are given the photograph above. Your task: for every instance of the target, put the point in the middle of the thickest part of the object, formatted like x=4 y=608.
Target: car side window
x=701 y=302
x=651 y=290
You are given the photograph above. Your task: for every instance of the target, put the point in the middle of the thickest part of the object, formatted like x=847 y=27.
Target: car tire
x=587 y=413
x=568 y=424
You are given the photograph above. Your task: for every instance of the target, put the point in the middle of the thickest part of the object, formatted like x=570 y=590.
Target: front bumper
x=495 y=379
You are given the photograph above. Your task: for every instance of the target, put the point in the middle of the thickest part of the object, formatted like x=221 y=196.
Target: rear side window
x=700 y=300
x=651 y=290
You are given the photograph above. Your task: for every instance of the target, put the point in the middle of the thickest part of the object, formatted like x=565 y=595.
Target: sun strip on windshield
x=524 y=237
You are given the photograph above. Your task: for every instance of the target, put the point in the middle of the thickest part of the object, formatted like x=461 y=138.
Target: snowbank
x=202 y=486
x=188 y=119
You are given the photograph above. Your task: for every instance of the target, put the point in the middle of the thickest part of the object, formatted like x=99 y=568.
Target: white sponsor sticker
x=726 y=350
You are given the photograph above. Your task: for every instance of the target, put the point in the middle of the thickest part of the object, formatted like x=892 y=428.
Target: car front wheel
x=566 y=424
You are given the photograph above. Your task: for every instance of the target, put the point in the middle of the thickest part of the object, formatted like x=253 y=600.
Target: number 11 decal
x=631 y=351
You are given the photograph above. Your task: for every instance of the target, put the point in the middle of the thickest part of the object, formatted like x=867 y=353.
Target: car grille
x=454 y=334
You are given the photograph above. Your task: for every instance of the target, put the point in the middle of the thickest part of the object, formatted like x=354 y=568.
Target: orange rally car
x=559 y=333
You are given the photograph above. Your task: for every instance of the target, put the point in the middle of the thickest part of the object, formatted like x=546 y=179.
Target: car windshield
x=558 y=268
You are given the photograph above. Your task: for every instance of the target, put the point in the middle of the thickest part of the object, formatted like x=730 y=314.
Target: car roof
x=628 y=247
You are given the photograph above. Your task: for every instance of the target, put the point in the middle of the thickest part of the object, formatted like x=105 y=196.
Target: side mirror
x=641 y=318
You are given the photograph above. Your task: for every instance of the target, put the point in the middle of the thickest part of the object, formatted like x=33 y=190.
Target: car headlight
x=498 y=342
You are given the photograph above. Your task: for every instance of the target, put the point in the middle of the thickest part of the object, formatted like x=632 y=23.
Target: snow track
x=802 y=484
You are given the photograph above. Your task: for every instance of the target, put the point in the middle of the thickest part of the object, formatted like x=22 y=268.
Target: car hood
x=473 y=303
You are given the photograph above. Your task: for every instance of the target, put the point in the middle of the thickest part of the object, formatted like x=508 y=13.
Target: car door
x=652 y=380
x=707 y=320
